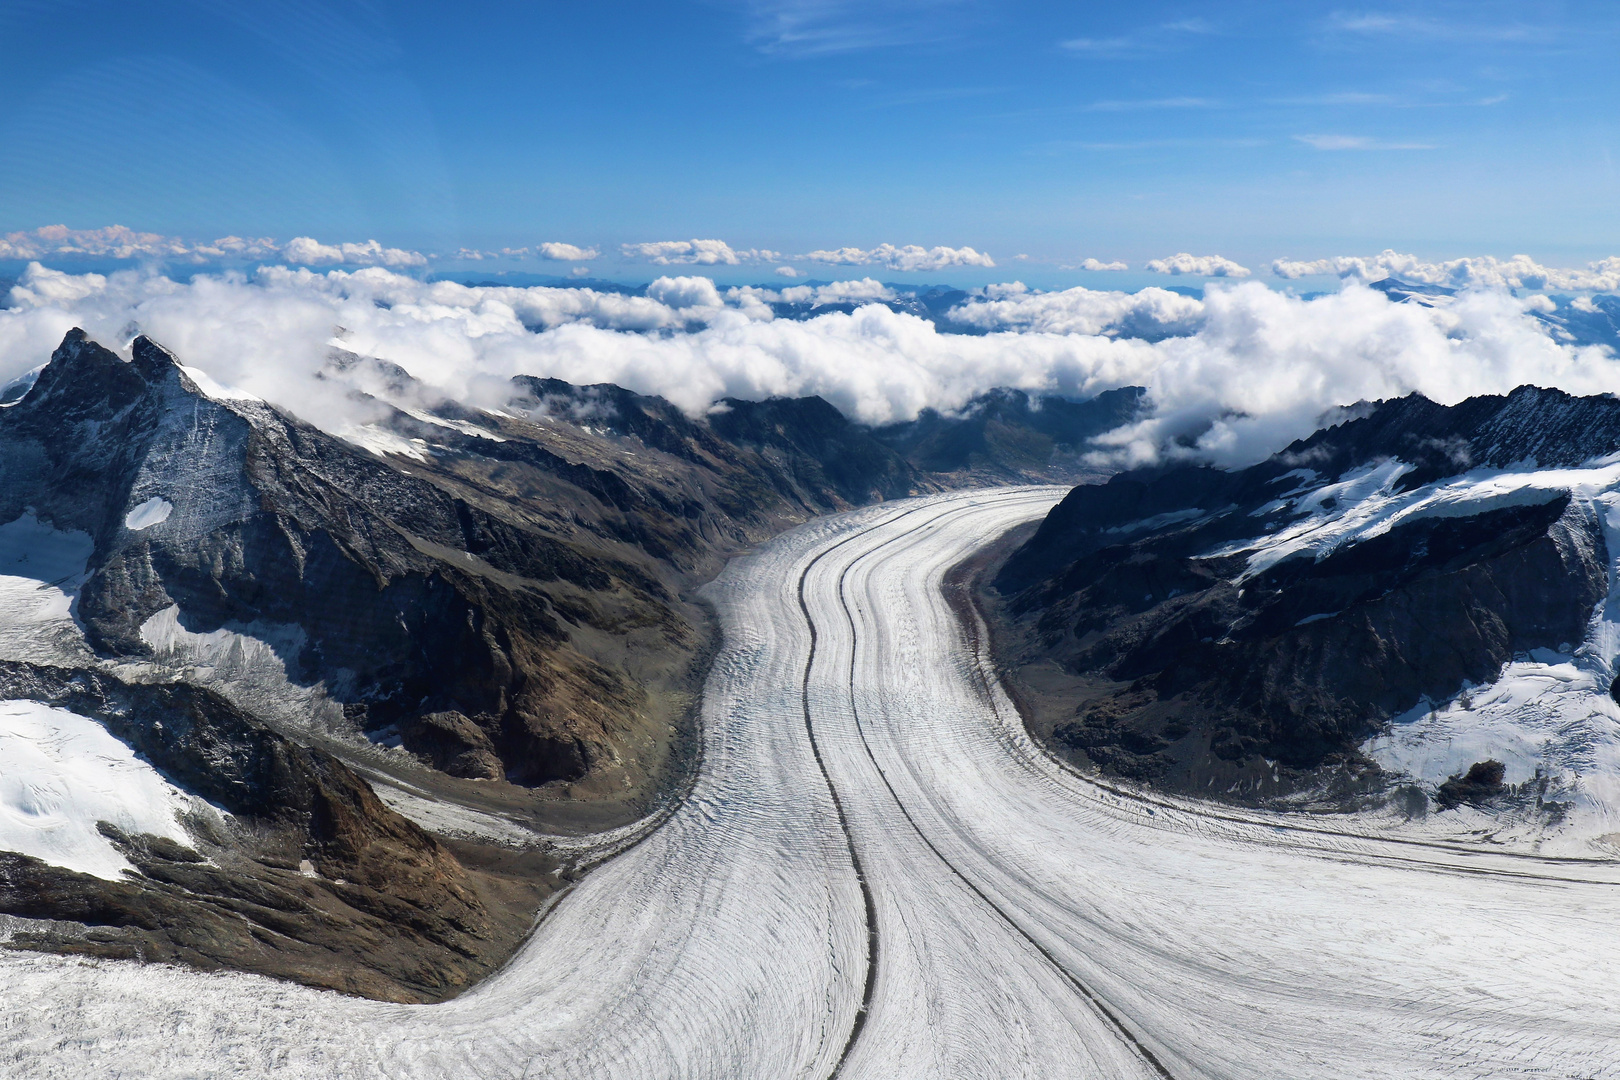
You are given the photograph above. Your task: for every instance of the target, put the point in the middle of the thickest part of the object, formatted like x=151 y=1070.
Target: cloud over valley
x=1231 y=377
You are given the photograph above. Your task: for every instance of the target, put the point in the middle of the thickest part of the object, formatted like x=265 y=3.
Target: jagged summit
x=1530 y=426
x=1546 y=427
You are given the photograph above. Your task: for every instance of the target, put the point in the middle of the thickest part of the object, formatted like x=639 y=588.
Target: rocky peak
x=83 y=380
x=1549 y=427
x=157 y=364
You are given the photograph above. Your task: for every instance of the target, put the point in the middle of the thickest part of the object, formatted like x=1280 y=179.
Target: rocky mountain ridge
x=1245 y=632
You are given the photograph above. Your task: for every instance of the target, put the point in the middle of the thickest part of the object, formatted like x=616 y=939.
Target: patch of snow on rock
x=383 y=443
x=243 y=662
x=153 y=511
x=60 y=774
x=216 y=390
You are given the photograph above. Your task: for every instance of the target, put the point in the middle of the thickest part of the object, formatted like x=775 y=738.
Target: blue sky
x=1058 y=131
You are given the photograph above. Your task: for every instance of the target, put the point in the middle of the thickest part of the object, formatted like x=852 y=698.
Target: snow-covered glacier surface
x=41 y=568
x=879 y=875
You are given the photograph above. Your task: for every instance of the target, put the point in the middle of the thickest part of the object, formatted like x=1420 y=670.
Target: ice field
x=879 y=875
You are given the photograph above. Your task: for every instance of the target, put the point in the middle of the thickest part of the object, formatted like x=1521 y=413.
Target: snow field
x=60 y=774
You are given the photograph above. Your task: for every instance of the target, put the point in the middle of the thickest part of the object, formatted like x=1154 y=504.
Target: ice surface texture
x=1027 y=921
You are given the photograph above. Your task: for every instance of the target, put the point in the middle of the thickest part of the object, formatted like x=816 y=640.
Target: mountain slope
x=1249 y=632
x=1007 y=436
x=480 y=612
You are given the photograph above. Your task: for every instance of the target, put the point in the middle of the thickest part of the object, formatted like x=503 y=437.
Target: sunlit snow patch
x=383 y=443
x=60 y=774
x=153 y=511
x=244 y=662
x=17 y=389
x=1364 y=504
x=217 y=391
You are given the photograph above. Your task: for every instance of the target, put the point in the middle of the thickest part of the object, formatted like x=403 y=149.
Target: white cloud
x=864 y=291
x=475 y=255
x=822 y=27
x=308 y=251
x=911 y=257
x=1485 y=271
x=1099 y=46
x=1358 y=142
x=115 y=242
x=118 y=242
x=787 y=272
x=1096 y=265
x=1198 y=266
x=1151 y=312
x=696 y=253
x=566 y=252
x=43 y=287
x=1249 y=369
x=1455 y=29
x=685 y=292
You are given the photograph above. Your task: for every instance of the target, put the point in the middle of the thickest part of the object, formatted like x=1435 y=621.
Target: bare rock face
x=1175 y=663
x=502 y=597
x=1006 y=436
x=455 y=744
x=503 y=593
x=1481 y=783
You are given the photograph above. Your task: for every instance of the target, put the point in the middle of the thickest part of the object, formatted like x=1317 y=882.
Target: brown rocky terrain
x=307 y=875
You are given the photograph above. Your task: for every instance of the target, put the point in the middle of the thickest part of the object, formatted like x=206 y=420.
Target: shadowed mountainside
x=1245 y=631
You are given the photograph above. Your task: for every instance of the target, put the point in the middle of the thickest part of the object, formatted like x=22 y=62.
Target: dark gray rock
x=1184 y=667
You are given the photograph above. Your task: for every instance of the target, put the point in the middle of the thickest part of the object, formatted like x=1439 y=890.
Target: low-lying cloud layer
x=1198 y=266
x=1486 y=271
x=118 y=242
x=907 y=258
x=1232 y=377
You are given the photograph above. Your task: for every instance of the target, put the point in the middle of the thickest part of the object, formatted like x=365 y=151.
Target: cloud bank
x=1486 y=271
x=551 y=251
x=1198 y=266
x=907 y=258
x=1231 y=377
x=1358 y=142
x=696 y=253
x=118 y=242
x=1150 y=313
